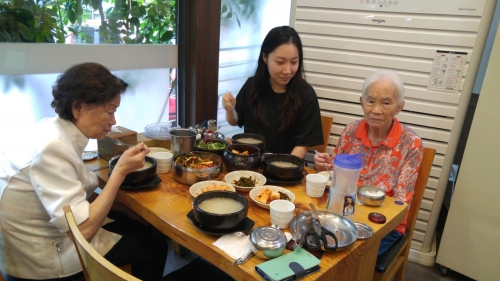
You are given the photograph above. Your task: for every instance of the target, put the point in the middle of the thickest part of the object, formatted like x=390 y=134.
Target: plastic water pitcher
x=342 y=197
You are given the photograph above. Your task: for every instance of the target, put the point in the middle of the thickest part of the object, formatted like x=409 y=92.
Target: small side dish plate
x=89 y=155
x=196 y=189
x=257 y=190
x=364 y=230
x=236 y=175
x=328 y=176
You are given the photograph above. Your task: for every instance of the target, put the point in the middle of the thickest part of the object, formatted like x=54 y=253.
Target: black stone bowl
x=261 y=145
x=282 y=173
x=136 y=177
x=220 y=221
x=219 y=152
x=235 y=161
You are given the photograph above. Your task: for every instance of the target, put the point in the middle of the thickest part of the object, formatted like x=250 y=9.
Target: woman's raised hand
x=132 y=159
x=228 y=101
x=322 y=159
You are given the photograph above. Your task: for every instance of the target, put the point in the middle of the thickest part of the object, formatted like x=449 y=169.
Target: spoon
x=119 y=142
x=326 y=168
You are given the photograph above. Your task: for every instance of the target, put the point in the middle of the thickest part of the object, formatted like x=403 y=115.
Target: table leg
x=179 y=249
x=368 y=261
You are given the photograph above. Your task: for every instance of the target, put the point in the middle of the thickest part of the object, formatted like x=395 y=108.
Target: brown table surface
x=166 y=206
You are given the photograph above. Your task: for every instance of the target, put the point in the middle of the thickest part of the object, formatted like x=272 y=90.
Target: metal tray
x=344 y=229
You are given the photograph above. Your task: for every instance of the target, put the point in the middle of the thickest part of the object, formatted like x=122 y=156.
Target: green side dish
x=211 y=145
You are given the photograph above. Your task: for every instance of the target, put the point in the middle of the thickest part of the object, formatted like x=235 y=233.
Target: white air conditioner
x=345 y=40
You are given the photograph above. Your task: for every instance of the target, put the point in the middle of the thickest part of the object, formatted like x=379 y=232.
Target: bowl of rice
x=371 y=195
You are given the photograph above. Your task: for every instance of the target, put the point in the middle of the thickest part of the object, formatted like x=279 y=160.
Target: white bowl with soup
x=220 y=210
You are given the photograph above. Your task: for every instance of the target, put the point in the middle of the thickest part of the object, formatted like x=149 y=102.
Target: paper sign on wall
x=447 y=70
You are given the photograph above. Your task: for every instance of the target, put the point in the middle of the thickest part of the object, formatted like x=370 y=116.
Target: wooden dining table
x=166 y=206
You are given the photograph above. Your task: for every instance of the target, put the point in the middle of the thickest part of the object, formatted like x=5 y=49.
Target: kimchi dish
x=193 y=161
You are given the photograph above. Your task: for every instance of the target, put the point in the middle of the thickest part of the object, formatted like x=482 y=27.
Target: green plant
x=237 y=10
x=123 y=21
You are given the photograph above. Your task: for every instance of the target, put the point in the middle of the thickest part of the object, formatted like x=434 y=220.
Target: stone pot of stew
x=280 y=166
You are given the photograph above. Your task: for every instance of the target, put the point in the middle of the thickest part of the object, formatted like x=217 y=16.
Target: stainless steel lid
x=267 y=237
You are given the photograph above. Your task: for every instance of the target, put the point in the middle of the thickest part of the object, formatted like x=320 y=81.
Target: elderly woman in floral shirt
x=392 y=152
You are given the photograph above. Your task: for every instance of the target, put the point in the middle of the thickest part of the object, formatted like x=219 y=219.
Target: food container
x=201 y=145
x=182 y=141
x=269 y=240
x=137 y=177
x=261 y=144
x=279 y=172
x=191 y=176
x=342 y=227
x=371 y=195
x=236 y=161
x=220 y=221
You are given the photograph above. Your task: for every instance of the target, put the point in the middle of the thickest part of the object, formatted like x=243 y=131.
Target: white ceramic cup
x=315 y=185
x=163 y=162
x=281 y=213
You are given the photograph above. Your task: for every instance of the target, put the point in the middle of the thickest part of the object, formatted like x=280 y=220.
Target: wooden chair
x=393 y=262
x=94 y=265
x=326 y=124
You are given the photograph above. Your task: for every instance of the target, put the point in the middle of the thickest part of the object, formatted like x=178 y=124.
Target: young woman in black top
x=277 y=102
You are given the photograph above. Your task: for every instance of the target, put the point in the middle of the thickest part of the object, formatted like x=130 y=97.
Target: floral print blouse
x=392 y=166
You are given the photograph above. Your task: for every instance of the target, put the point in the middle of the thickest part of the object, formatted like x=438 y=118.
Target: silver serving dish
x=343 y=228
x=191 y=176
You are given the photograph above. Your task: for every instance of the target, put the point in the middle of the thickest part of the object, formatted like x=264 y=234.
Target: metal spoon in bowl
x=326 y=168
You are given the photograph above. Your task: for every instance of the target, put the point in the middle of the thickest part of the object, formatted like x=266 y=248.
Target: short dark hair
x=86 y=83
x=276 y=37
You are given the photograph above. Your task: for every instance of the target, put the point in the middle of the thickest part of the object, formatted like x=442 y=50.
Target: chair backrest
x=94 y=265
x=326 y=124
x=420 y=184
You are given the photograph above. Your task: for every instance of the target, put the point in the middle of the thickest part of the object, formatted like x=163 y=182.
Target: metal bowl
x=191 y=176
x=136 y=177
x=371 y=195
x=270 y=240
x=343 y=228
x=220 y=221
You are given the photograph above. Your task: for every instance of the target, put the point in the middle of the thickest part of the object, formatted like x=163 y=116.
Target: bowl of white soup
x=140 y=176
x=220 y=209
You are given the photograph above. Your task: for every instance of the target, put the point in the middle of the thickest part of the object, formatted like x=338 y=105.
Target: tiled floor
x=414 y=271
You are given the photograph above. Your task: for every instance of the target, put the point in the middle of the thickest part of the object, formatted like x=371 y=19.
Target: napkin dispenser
x=107 y=149
x=292 y=266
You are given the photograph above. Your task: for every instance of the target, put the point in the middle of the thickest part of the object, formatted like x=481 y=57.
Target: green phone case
x=279 y=269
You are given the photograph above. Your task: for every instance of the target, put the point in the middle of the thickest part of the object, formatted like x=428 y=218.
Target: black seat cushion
x=198 y=269
x=384 y=260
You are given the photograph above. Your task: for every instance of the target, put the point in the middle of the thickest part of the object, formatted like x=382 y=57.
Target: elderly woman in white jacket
x=38 y=180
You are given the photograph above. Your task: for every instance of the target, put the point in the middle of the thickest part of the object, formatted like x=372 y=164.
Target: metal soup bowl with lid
x=269 y=240
x=371 y=195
